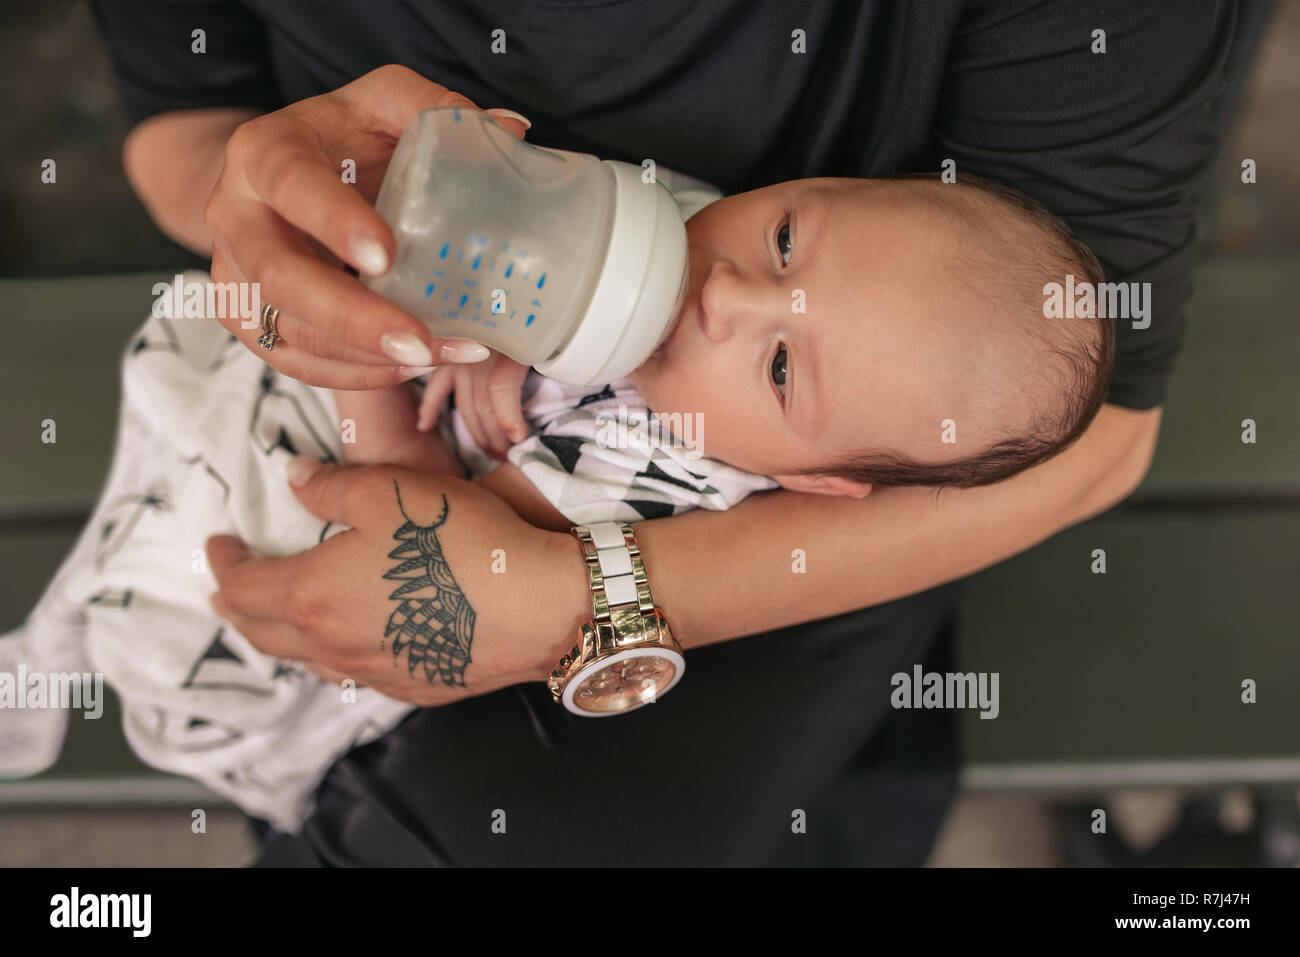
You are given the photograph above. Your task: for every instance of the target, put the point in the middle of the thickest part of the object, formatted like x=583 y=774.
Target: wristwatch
x=626 y=656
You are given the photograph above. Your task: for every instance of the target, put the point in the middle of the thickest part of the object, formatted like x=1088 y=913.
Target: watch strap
x=620 y=594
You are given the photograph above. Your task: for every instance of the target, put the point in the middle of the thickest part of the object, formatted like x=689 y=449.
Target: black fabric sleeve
x=151 y=46
x=1120 y=144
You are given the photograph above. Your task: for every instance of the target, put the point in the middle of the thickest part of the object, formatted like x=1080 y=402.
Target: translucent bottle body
x=497 y=240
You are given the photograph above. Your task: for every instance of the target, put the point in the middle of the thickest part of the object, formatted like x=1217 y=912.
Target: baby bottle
x=560 y=260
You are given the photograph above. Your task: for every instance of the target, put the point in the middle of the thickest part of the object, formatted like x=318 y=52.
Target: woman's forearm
x=173 y=160
x=722 y=575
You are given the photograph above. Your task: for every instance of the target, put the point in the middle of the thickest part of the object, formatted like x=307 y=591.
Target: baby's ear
x=825 y=485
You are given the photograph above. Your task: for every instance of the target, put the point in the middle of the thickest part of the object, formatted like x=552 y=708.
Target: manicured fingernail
x=519 y=433
x=510 y=115
x=464 y=350
x=369 y=256
x=414 y=372
x=405 y=349
x=300 y=469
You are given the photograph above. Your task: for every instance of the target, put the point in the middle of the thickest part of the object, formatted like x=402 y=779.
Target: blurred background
x=1127 y=686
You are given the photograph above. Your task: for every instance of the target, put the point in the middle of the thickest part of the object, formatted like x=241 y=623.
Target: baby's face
x=818 y=323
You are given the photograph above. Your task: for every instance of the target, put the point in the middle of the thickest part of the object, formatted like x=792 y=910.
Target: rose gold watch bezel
x=644 y=651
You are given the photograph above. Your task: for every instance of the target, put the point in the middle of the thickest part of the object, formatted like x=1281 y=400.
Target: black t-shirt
x=745 y=94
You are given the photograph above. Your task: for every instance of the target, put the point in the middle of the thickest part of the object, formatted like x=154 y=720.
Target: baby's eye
x=778 y=368
x=783 y=245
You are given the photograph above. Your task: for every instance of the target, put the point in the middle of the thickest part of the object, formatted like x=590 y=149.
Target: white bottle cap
x=639 y=290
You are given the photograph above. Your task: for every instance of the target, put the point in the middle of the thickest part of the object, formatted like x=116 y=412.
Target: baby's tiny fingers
x=436 y=390
x=504 y=392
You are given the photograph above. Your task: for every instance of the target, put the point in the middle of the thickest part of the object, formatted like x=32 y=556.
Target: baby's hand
x=489 y=397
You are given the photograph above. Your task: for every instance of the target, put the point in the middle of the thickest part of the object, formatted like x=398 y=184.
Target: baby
x=837 y=335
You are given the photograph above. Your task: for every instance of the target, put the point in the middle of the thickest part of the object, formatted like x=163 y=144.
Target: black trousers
x=779 y=748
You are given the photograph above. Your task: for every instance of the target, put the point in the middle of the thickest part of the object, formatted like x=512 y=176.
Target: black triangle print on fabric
x=112 y=598
x=232 y=348
x=216 y=476
x=168 y=343
x=188 y=735
x=218 y=651
x=124 y=514
x=284 y=670
x=605 y=393
x=650 y=509
x=653 y=471
x=219 y=669
x=284 y=442
x=286 y=409
x=567 y=448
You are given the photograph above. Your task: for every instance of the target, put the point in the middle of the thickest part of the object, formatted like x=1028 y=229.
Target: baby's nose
x=719 y=301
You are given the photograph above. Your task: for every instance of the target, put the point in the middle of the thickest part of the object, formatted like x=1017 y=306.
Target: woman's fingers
x=284 y=166
x=391 y=95
x=331 y=314
x=279 y=640
x=272 y=638
x=287 y=358
x=253 y=588
x=344 y=315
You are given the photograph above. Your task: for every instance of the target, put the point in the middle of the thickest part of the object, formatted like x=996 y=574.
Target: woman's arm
x=717 y=575
x=172 y=161
x=722 y=575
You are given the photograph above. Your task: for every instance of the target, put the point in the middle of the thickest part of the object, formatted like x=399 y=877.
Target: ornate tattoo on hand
x=435 y=631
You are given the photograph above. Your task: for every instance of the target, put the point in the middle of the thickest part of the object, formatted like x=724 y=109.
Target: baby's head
x=841 y=333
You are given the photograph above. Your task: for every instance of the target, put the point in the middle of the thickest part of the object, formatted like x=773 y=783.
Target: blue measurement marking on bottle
x=446 y=295
x=470 y=282
x=455 y=114
x=442 y=253
x=509 y=270
x=541 y=281
x=477 y=260
x=463 y=299
x=428 y=291
x=531 y=317
x=439 y=273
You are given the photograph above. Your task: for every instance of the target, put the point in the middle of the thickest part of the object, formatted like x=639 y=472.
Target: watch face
x=623 y=682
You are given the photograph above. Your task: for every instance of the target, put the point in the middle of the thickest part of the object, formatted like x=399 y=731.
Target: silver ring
x=269 y=336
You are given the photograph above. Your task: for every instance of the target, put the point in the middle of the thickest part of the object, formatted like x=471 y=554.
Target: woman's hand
x=282 y=216
x=437 y=592
x=489 y=398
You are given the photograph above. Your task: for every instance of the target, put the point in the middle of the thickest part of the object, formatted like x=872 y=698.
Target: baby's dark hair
x=1087 y=360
